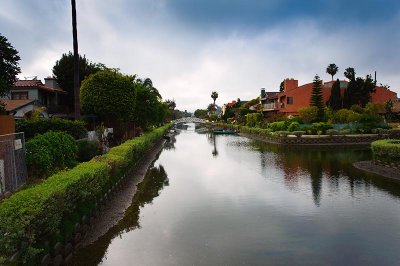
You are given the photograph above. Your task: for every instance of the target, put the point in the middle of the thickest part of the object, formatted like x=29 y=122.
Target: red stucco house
x=295 y=97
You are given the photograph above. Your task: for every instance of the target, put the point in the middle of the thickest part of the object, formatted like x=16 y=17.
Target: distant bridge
x=190 y=120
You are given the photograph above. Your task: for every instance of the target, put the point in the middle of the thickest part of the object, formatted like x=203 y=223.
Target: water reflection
x=154 y=181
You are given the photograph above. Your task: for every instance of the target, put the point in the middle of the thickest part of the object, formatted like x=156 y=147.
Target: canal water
x=229 y=200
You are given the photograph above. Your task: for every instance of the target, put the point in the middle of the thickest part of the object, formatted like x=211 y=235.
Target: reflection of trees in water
x=332 y=163
x=212 y=139
x=215 y=151
x=154 y=181
x=170 y=144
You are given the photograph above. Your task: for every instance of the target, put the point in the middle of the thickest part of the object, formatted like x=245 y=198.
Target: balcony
x=270 y=106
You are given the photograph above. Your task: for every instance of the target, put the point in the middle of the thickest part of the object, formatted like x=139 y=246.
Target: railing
x=13 y=172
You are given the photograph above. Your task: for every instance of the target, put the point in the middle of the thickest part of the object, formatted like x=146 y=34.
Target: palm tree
x=350 y=73
x=77 y=108
x=332 y=69
x=214 y=96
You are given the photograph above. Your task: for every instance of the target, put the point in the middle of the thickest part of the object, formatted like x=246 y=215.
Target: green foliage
x=214 y=96
x=299 y=133
x=387 y=150
x=213 y=117
x=335 y=101
x=308 y=114
x=63 y=71
x=278 y=126
x=316 y=98
x=110 y=95
x=9 y=68
x=320 y=127
x=332 y=132
x=200 y=113
x=49 y=153
x=87 y=149
x=40 y=126
x=357 y=108
x=48 y=210
x=293 y=126
x=253 y=119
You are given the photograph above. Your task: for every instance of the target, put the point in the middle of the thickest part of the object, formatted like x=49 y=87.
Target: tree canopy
x=9 y=68
x=335 y=101
x=316 y=97
x=63 y=71
x=214 y=96
x=332 y=69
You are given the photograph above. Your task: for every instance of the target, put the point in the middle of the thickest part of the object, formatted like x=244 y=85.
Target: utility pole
x=77 y=105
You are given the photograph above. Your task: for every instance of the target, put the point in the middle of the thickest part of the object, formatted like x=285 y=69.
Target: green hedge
x=386 y=151
x=34 y=127
x=46 y=213
x=49 y=153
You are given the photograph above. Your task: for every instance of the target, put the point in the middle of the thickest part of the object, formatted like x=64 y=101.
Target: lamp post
x=77 y=110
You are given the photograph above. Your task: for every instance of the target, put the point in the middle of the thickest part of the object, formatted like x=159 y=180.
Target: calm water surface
x=229 y=200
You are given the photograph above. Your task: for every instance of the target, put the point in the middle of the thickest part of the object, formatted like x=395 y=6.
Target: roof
x=11 y=105
x=35 y=84
x=270 y=94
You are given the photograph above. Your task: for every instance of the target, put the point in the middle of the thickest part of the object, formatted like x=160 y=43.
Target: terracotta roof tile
x=11 y=105
x=35 y=84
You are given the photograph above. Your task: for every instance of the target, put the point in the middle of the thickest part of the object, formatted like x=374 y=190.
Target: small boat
x=225 y=132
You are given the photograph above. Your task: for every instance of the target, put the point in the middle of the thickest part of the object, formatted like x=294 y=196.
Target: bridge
x=190 y=120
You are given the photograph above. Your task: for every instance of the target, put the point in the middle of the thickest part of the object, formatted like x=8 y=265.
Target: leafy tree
x=63 y=71
x=200 y=113
x=364 y=88
x=332 y=69
x=171 y=104
x=308 y=114
x=214 y=96
x=389 y=105
x=211 y=108
x=110 y=95
x=335 y=101
x=350 y=74
x=9 y=68
x=147 y=105
x=282 y=86
x=316 y=97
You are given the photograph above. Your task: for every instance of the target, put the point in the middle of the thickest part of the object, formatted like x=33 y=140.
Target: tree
x=110 y=95
x=200 y=113
x=389 y=105
x=316 y=97
x=332 y=69
x=335 y=101
x=308 y=114
x=282 y=86
x=350 y=74
x=63 y=71
x=214 y=96
x=9 y=68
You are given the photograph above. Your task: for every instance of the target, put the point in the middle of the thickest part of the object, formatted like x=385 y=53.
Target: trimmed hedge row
x=386 y=151
x=33 y=127
x=35 y=218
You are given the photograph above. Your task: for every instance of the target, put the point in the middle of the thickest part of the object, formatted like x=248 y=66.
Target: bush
x=46 y=212
x=253 y=119
x=308 y=114
x=278 y=126
x=293 y=126
x=35 y=127
x=386 y=150
x=298 y=133
x=320 y=127
x=332 y=132
x=49 y=153
x=87 y=149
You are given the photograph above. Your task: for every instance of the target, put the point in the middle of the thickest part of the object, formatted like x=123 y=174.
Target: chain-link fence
x=13 y=172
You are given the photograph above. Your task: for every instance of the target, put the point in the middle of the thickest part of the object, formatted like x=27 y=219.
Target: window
x=20 y=95
x=289 y=100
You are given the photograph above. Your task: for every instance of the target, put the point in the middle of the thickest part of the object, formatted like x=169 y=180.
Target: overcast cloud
x=190 y=47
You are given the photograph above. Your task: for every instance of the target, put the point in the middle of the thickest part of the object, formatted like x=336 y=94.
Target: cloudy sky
x=190 y=48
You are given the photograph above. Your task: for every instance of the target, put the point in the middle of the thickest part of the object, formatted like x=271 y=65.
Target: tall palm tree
x=77 y=109
x=214 y=96
x=332 y=69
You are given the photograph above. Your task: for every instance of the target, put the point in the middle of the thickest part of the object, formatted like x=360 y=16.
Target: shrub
x=320 y=127
x=357 y=109
x=253 y=119
x=278 y=126
x=87 y=149
x=50 y=152
x=47 y=211
x=298 y=133
x=386 y=150
x=293 y=126
x=283 y=133
x=40 y=126
x=308 y=114
x=332 y=132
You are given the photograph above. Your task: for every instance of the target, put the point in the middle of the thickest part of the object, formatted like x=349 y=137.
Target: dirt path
x=115 y=208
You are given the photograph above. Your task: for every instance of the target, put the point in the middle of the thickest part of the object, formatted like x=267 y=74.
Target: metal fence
x=13 y=172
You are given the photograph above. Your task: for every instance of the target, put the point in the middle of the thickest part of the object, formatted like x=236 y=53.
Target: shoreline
x=112 y=212
x=370 y=167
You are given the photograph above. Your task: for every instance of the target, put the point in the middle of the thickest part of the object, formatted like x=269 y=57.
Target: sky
x=190 y=48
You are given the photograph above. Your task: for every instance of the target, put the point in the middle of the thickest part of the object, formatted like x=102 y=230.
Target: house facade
x=27 y=95
x=293 y=97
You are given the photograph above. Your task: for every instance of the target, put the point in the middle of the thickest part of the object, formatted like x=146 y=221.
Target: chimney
x=262 y=92
x=290 y=84
x=51 y=82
